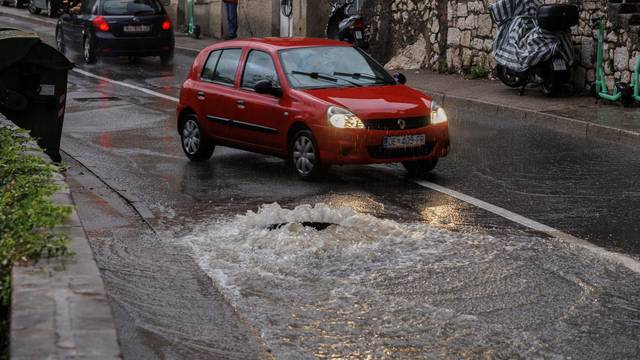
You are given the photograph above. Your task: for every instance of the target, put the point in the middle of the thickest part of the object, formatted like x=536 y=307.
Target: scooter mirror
x=400 y=78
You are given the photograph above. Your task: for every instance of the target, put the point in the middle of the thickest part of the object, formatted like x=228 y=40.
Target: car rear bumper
x=109 y=45
x=362 y=146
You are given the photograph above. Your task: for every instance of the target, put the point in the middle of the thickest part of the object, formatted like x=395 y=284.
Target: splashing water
x=373 y=288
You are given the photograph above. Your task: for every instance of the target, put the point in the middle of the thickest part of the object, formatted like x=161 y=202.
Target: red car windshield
x=331 y=66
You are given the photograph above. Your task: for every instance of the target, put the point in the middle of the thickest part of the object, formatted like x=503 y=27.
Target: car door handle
x=240 y=102
x=201 y=95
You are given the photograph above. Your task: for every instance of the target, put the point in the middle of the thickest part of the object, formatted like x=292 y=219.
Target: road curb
x=560 y=123
x=59 y=306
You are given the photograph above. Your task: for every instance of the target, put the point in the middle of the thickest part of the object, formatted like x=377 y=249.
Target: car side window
x=210 y=65
x=259 y=66
x=225 y=72
x=88 y=7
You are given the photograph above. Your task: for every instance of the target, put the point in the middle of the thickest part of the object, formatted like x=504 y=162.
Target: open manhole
x=315 y=225
x=97 y=99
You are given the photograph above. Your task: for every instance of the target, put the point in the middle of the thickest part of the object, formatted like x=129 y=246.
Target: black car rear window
x=131 y=7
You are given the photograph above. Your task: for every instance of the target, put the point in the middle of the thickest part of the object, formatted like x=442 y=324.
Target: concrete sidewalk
x=59 y=307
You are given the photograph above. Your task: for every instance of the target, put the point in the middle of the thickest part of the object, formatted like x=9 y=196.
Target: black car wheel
x=420 y=168
x=52 y=10
x=33 y=8
x=304 y=156
x=194 y=143
x=88 y=52
x=60 y=40
x=167 y=57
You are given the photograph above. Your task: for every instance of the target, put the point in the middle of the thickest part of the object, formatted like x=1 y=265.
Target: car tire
x=420 y=168
x=52 y=10
x=18 y=4
x=60 y=41
x=33 y=9
x=304 y=156
x=88 y=51
x=166 y=58
x=194 y=143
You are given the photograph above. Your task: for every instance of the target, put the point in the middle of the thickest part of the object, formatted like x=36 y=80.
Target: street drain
x=315 y=225
x=97 y=99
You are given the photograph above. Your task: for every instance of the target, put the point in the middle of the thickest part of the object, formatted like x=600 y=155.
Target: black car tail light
x=166 y=24
x=100 y=23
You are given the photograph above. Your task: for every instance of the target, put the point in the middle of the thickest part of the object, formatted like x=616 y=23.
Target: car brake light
x=101 y=23
x=166 y=25
x=358 y=24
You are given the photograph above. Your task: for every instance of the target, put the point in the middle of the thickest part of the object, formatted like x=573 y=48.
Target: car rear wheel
x=167 y=57
x=33 y=8
x=304 y=156
x=88 y=52
x=194 y=143
x=420 y=168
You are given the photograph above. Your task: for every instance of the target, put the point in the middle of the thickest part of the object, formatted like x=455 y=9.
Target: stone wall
x=456 y=36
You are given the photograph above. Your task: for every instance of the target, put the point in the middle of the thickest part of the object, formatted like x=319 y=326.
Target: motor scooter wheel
x=626 y=92
x=511 y=78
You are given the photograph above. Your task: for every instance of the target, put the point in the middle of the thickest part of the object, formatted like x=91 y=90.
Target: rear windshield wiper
x=140 y=12
x=316 y=75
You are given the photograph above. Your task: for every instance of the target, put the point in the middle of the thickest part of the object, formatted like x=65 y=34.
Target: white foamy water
x=374 y=288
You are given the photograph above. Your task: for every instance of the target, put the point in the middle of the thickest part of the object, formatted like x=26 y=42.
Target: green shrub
x=478 y=72
x=27 y=213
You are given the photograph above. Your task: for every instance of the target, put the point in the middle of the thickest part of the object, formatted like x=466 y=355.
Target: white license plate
x=393 y=142
x=359 y=35
x=137 y=28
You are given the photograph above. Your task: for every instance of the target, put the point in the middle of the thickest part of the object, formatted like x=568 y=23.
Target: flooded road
x=195 y=269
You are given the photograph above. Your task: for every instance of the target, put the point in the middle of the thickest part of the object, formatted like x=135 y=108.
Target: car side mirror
x=400 y=78
x=266 y=87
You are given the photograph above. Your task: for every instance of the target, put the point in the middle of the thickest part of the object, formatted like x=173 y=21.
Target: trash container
x=33 y=87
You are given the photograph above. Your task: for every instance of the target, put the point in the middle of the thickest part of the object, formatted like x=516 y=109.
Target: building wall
x=456 y=35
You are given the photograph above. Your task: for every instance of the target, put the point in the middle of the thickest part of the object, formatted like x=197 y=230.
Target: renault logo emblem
x=401 y=124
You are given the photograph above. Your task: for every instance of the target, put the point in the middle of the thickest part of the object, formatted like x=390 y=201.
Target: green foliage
x=478 y=72
x=27 y=213
x=443 y=68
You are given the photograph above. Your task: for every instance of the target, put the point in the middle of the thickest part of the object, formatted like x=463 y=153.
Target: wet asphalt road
x=414 y=274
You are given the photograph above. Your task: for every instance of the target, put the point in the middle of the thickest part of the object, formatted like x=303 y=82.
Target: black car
x=133 y=28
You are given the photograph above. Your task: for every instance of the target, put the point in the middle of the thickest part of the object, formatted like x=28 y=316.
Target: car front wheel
x=60 y=41
x=88 y=52
x=420 y=168
x=194 y=143
x=304 y=156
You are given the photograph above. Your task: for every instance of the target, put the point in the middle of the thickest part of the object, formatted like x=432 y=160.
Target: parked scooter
x=344 y=26
x=533 y=44
x=621 y=91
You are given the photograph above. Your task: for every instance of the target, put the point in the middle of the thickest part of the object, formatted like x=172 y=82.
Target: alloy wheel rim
x=191 y=137
x=304 y=155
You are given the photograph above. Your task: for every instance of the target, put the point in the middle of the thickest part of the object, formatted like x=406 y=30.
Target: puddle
x=357 y=286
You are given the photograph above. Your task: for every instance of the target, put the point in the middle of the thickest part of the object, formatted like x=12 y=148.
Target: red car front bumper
x=364 y=146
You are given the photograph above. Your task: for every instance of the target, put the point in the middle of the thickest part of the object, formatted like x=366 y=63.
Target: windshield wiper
x=316 y=75
x=364 y=76
x=140 y=12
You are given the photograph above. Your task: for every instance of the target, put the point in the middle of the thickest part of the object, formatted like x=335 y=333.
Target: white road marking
x=130 y=86
x=625 y=260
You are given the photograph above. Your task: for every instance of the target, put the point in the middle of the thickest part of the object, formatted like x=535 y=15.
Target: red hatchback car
x=314 y=102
